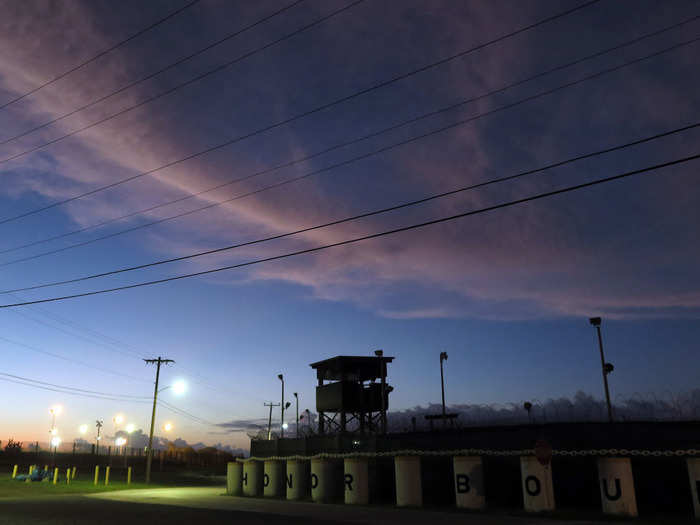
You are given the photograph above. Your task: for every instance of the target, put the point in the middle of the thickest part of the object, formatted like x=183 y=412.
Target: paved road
x=207 y=505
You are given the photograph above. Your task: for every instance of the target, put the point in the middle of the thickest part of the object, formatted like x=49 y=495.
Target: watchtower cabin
x=352 y=394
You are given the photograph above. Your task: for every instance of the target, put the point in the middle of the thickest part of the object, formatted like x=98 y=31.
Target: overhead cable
x=365 y=237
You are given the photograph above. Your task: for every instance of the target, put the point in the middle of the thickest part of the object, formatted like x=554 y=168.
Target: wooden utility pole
x=269 y=420
x=149 y=458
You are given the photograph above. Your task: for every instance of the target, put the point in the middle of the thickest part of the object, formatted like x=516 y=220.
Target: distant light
x=83 y=429
x=168 y=427
x=179 y=387
x=130 y=428
x=120 y=441
x=55 y=441
x=285 y=426
x=55 y=410
x=54 y=431
x=118 y=419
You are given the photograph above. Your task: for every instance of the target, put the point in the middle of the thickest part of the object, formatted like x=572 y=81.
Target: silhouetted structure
x=358 y=393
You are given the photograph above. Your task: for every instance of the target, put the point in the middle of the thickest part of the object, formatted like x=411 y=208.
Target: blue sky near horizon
x=507 y=293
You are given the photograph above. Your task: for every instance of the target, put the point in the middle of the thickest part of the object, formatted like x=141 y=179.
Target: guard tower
x=357 y=396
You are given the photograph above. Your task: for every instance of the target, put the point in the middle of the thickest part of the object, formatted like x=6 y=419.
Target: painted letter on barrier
x=348 y=481
x=314 y=480
x=266 y=480
x=533 y=485
x=462 y=483
x=618 y=489
x=289 y=481
x=245 y=478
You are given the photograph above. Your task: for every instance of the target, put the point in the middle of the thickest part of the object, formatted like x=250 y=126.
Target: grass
x=83 y=484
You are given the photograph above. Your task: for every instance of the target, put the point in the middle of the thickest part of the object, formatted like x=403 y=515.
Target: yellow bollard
x=31 y=468
x=107 y=476
x=46 y=467
x=14 y=472
x=73 y=473
x=68 y=476
x=97 y=473
x=55 y=475
x=128 y=476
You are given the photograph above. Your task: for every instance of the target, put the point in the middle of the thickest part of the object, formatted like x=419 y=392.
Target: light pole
x=281 y=378
x=382 y=375
x=606 y=367
x=443 y=357
x=54 y=411
x=296 y=396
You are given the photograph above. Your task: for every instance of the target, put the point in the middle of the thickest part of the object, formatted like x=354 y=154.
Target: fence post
x=469 y=482
x=694 y=476
x=616 y=486
x=538 y=491
x=409 y=488
x=234 y=475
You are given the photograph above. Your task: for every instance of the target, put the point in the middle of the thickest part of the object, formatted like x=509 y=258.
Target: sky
x=507 y=293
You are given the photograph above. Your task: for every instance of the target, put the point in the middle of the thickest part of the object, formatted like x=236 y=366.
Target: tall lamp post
x=443 y=357
x=296 y=396
x=282 y=407
x=606 y=367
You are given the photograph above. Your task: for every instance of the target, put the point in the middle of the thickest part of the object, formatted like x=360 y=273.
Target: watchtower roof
x=349 y=367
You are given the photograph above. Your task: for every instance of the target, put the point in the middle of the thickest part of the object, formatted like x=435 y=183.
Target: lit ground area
x=43 y=503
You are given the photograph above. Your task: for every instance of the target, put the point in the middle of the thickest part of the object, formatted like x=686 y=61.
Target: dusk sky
x=506 y=293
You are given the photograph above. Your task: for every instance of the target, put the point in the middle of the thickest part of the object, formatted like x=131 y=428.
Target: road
x=174 y=506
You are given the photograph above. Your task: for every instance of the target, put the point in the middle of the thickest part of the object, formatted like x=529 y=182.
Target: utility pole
x=296 y=396
x=269 y=420
x=382 y=375
x=443 y=357
x=607 y=367
x=149 y=458
x=98 y=424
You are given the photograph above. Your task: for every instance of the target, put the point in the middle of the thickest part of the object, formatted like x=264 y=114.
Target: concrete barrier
x=409 y=487
x=538 y=490
x=273 y=478
x=356 y=481
x=234 y=478
x=694 y=476
x=323 y=480
x=469 y=482
x=252 y=480
x=616 y=486
x=297 y=479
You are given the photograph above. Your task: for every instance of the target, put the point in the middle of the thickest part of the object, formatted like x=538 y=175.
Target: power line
x=72 y=388
x=100 y=54
x=360 y=157
x=179 y=86
x=69 y=359
x=184 y=413
x=72 y=334
x=63 y=390
x=282 y=122
x=154 y=74
x=363 y=215
x=348 y=143
x=367 y=237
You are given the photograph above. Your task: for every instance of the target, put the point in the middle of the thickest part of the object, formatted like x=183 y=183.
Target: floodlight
x=83 y=429
x=130 y=428
x=179 y=387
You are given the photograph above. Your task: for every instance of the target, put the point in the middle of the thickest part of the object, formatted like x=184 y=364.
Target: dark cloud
x=243 y=425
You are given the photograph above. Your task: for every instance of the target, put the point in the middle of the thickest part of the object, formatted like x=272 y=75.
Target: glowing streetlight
x=83 y=429
x=179 y=387
x=130 y=428
x=54 y=411
x=55 y=441
x=120 y=441
x=54 y=431
x=118 y=419
x=168 y=427
x=285 y=426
